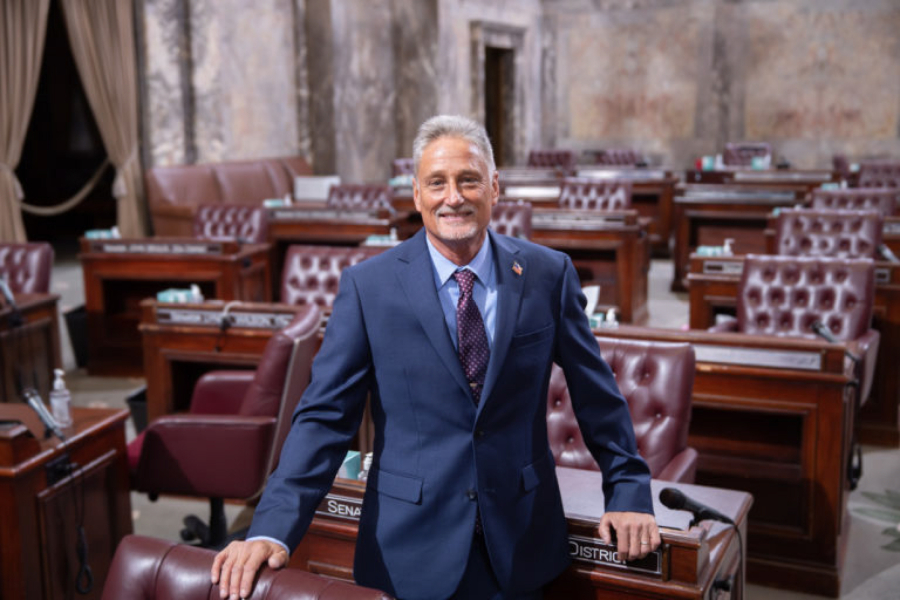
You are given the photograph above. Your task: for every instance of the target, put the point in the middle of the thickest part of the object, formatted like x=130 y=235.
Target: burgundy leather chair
x=595 y=194
x=229 y=442
x=562 y=160
x=403 y=166
x=884 y=200
x=741 y=154
x=312 y=273
x=27 y=266
x=512 y=219
x=834 y=233
x=880 y=173
x=146 y=568
x=626 y=157
x=354 y=196
x=227 y=222
x=657 y=379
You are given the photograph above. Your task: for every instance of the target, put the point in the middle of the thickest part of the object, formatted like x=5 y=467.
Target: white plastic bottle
x=367 y=464
x=61 y=400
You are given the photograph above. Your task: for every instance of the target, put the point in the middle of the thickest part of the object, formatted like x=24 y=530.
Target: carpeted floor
x=872 y=568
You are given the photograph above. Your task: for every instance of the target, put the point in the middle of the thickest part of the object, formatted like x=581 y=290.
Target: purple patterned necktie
x=474 y=351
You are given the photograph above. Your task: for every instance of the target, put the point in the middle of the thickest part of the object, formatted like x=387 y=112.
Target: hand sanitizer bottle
x=61 y=400
x=367 y=464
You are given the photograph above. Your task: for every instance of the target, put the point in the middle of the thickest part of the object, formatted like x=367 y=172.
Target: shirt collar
x=445 y=268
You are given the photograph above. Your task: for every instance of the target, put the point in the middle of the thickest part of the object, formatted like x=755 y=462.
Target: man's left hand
x=637 y=533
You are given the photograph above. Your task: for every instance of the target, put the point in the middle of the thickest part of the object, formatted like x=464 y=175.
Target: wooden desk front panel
x=38 y=557
x=29 y=352
x=879 y=418
x=783 y=435
x=115 y=284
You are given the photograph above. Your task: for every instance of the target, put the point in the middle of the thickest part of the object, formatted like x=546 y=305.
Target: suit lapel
x=416 y=276
x=511 y=273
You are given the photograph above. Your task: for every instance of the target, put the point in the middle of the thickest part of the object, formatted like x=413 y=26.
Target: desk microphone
x=15 y=317
x=35 y=402
x=820 y=330
x=676 y=500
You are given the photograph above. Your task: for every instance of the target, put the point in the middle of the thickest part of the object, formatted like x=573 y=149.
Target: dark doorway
x=63 y=148
x=499 y=84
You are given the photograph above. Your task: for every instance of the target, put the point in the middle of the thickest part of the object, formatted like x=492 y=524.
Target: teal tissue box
x=350 y=467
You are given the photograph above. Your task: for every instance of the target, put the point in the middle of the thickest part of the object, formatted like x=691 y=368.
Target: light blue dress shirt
x=484 y=291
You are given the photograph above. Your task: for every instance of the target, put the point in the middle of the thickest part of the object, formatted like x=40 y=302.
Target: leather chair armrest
x=866 y=348
x=682 y=468
x=206 y=455
x=220 y=392
x=727 y=325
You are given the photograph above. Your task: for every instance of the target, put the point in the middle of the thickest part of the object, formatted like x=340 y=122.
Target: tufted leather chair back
x=595 y=194
x=403 y=166
x=353 y=196
x=27 y=266
x=312 y=273
x=741 y=154
x=657 y=380
x=512 y=219
x=836 y=233
x=564 y=160
x=884 y=200
x=224 y=222
x=785 y=295
x=619 y=157
x=882 y=173
x=146 y=568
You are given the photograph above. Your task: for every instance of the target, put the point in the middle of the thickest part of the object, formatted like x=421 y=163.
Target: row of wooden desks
x=697 y=562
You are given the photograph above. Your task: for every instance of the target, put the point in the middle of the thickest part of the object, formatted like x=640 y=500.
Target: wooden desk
x=181 y=342
x=38 y=557
x=29 y=351
x=118 y=274
x=804 y=179
x=706 y=215
x=609 y=249
x=774 y=417
x=713 y=285
x=687 y=565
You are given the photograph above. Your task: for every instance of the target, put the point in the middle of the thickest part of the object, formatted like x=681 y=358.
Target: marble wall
x=678 y=79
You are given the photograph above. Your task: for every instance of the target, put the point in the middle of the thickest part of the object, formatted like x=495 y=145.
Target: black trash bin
x=76 y=323
x=137 y=404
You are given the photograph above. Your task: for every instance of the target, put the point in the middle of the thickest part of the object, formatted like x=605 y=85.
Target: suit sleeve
x=324 y=422
x=600 y=408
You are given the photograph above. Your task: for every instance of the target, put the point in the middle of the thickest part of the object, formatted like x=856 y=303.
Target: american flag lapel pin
x=517 y=268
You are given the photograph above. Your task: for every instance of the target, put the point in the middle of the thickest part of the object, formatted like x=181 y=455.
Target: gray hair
x=452 y=126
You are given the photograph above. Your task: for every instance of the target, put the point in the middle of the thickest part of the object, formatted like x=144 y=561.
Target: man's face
x=455 y=191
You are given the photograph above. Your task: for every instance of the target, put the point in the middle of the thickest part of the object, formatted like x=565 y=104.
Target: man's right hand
x=235 y=567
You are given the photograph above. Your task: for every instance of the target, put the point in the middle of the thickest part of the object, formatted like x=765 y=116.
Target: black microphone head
x=672 y=498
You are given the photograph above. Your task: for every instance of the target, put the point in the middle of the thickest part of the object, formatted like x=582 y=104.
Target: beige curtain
x=23 y=25
x=102 y=36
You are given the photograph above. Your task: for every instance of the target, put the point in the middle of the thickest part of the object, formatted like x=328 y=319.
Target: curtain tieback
x=20 y=193
x=119 y=189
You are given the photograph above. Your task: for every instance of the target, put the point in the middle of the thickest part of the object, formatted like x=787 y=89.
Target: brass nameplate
x=739 y=195
x=214 y=318
x=303 y=214
x=782 y=176
x=723 y=267
x=532 y=191
x=192 y=248
x=340 y=507
x=636 y=175
x=759 y=357
x=596 y=552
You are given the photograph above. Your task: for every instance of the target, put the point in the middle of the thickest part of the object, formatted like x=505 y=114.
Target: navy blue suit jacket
x=387 y=338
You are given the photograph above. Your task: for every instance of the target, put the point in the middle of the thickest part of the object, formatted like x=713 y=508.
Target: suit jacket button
x=472 y=494
x=479 y=433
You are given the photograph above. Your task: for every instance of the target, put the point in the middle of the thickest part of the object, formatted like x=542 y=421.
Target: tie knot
x=466 y=280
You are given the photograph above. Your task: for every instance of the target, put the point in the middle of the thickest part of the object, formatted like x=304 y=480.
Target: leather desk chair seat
x=353 y=196
x=403 y=166
x=594 y=194
x=27 y=266
x=741 y=154
x=562 y=160
x=625 y=157
x=312 y=274
x=881 y=173
x=830 y=233
x=512 y=219
x=231 y=222
x=146 y=568
x=229 y=442
x=657 y=380
x=883 y=200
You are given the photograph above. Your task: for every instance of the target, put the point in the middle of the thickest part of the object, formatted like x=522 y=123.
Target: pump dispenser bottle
x=61 y=400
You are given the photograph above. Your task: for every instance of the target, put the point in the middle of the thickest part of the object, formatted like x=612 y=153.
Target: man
x=462 y=499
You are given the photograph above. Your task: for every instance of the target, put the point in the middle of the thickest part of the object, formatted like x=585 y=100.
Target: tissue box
x=180 y=296
x=350 y=467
